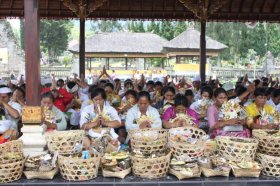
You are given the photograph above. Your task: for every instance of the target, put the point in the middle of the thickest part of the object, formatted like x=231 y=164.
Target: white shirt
x=14 y=121
x=88 y=115
x=134 y=113
x=276 y=107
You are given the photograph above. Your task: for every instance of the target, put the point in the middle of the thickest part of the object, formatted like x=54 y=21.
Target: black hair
x=276 y=93
x=168 y=89
x=21 y=90
x=131 y=92
x=144 y=94
x=209 y=90
x=91 y=88
x=109 y=85
x=128 y=83
x=189 y=92
x=150 y=82
x=60 y=81
x=257 y=82
x=103 y=81
x=240 y=90
x=269 y=91
x=219 y=91
x=47 y=95
x=71 y=84
x=158 y=83
x=203 y=85
x=117 y=80
x=98 y=91
x=180 y=100
x=259 y=92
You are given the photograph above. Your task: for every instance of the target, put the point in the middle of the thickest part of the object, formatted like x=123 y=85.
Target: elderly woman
x=260 y=114
x=53 y=118
x=217 y=124
x=143 y=109
x=180 y=107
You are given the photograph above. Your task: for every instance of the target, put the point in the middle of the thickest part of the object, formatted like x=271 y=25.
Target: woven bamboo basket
x=151 y=168
x=11 y=157
x=65 y=141
x=267 y=144
x=10 y=172
x=11 y=146
x=121 y=174
x=181 y=176
x=214 y=172
x=41 y=175
x=236 y=149
x=270 y=164
x=77 y=169
x=148 y=140
x=181 y=150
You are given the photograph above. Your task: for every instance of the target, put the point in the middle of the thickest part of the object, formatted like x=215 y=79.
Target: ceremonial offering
x=186 y=143
x=269 y=141
x=246 y=169
x=270 y=164
x=76 y=168
x=201 y=107
x=153 y=166
x=184 y=170
x=188 y=121
x=116 y=164
x=237 y=149
x=31 y=115
x=214 y=166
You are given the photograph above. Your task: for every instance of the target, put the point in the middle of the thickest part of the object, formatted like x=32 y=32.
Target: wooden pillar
x=126 y=61
x=32 y=51
x=82 y=47
x=107 y=63
x=202 y=66
x=178 y=59
x=90 y=64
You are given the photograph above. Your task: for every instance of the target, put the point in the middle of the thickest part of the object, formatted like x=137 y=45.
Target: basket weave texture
x=270 y=164
x=237 y=149
x=150 y=168
x=65 y=141
x=77 y=169
x=267 y=144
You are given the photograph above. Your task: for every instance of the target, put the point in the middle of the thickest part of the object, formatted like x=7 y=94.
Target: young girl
x=180 y=107
x=53 y=118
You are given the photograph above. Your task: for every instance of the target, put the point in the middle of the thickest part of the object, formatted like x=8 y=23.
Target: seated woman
x=113 y=98
x=180 y=107
x=217 y=124
x=201 y=105
x=260 y=114
x=10 y=115
x=167 y=101
x=53 y=118
x=99 y=117
x=143 y=109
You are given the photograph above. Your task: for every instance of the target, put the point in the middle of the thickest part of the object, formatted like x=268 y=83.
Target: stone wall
x=15 y=54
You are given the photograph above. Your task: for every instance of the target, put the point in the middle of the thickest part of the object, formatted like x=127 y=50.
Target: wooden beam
x=202 y=66
x=263 y=6
x=252 y=5
x=241 y=6
x=32 y=51
x=82 y=47
x=11 y=6
x=272 y=10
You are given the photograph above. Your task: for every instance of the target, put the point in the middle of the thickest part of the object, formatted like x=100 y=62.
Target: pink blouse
x=171 y=114
x=213 y=118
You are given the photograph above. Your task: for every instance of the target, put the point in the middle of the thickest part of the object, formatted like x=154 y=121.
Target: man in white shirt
x=275 y=100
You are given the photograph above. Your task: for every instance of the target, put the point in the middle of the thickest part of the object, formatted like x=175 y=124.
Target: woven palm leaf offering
x=11 y=161
x=188 y=121
x=41 y=167
x=114 y=100
x=269 y=141
x=152 y=165
x=79 y=167
x=184 y=170
x=236 y=148
x=187 y=143
x=232 y=110
x=201 y=107
x=116 y=164
x=246 y=168
x=214 y=165
x=129 y=101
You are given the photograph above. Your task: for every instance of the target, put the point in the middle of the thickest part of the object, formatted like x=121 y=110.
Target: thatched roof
x=123 y=42
x=190 y=40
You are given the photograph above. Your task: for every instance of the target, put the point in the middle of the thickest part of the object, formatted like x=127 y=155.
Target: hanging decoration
x=81 y=8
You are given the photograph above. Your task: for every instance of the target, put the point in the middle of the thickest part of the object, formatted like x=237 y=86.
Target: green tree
x=180 y=27
x=167 y=30
x=54 y=36
x=106 y=26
